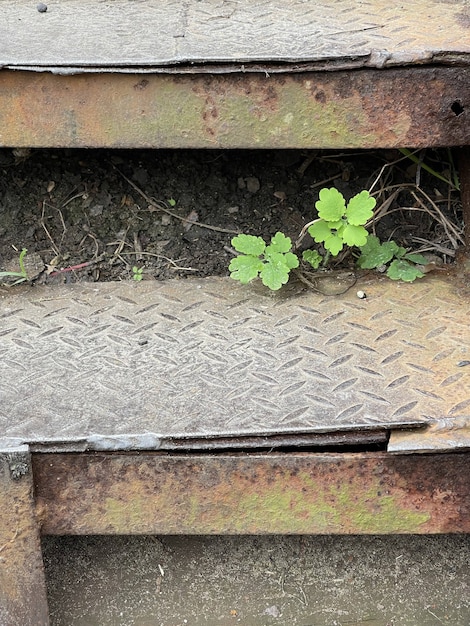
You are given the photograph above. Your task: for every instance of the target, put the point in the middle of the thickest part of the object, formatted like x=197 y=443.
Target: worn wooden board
x=159 y=33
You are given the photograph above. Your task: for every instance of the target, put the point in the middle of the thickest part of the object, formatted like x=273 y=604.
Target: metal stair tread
x=132 y=36
x=209 y=358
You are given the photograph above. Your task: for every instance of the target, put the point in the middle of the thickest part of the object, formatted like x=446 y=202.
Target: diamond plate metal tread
x=211 y=358
x=158 y=33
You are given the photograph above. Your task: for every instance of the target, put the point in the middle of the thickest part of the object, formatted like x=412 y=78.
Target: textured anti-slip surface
x=158 y=33
x=209 y=357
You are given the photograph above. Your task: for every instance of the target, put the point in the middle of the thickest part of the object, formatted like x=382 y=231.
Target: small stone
x=272 y=611
x=361 y=295
x=42 y=8
x=252 y=184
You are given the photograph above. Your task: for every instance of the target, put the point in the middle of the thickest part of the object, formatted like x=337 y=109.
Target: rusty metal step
x=102 y=386
x=243 y=74
x=207 y=363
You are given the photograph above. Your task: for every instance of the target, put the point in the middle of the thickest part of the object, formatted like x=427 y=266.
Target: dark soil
x=101 y=208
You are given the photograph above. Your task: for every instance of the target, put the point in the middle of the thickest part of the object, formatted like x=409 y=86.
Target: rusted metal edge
x=419 y=107
x=365 y=493
x=23 y=598
x=444 y=435
x=379 y=59
x=354 y=436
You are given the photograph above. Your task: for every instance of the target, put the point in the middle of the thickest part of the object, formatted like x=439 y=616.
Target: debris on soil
x=92 y=215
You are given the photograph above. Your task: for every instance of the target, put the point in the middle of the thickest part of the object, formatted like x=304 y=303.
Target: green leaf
x=331 y=205
x=274 y=275
x=360 y=208
x=291 y=260
x=319 y=231
x=249 y=244
x=355 y=235
x=374 y=254
x=21 y=261
x=403 y=270
x=279 y=243
x=245 y=268
x=334 y=244
x=12 y=274
x=312 y=257
x=414 y=257
x=400 y=252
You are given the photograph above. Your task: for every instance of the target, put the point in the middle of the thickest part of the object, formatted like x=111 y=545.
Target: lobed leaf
x=245 y=268
x=312 y=257
x=403 y=270
x=331 y=206
x=279 y=243
x=360 y=208
x=334 y=244
x=249 y=244
x=291 y=260
x=414 y=257
x=274 y=275
x=320 y=231
x=355 y=235
x=374 y=254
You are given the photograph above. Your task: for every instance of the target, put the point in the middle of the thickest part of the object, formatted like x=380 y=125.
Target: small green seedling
x=272 y=262
x=404 y=265
x=171 y=202
x=137 y=273
x=22 y=275
x=338 y=224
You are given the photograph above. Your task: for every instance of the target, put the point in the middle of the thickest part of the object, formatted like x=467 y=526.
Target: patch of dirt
x=401 y=580
x=95 y=215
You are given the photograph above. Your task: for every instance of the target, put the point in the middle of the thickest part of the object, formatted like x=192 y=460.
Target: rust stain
x=22 y=582
x=361 y=109
x=294 y=493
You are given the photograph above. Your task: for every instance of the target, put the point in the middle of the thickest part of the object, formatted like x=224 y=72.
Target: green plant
x=137 y=273
x=272 y=262
x=338 y=225
x=404 y=265
x=22 y=275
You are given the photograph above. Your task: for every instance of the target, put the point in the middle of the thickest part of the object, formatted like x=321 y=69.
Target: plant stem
x=428 y=169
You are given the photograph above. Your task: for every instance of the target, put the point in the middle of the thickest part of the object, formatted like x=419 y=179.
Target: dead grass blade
x=161 y=207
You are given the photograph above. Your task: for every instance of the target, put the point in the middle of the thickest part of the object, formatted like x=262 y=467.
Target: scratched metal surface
x=211 y=358
x=153 y=33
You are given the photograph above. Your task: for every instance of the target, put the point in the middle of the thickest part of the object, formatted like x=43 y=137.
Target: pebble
x=361 y=295
x=42 y=8
x=252 y=184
